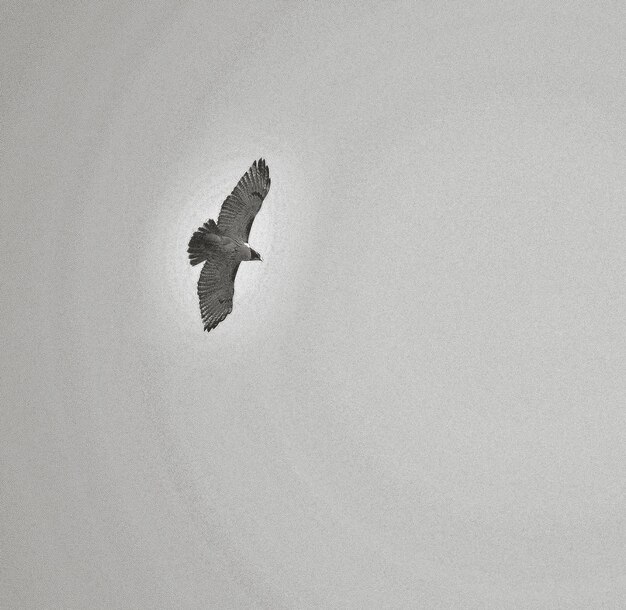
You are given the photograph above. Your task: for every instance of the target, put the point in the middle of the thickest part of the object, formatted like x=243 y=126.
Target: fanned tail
x=203 y=242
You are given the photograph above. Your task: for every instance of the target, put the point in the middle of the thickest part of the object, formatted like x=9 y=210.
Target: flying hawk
x=223 y=245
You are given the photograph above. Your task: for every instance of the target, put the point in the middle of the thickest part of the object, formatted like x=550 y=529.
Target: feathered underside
x=216 y=285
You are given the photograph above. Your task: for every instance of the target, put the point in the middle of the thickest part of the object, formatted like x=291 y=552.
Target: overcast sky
x=418 y=400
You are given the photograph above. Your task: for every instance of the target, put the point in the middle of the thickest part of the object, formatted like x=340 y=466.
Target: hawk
x=224 y=245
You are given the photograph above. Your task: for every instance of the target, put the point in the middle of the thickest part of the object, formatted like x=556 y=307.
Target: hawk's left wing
x=216 y=287
x=243 y=204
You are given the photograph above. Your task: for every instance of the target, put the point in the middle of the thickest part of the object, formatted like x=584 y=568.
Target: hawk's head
x=254 y=255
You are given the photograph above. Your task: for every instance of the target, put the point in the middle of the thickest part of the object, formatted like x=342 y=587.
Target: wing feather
x=243 y=204
x=216 y=287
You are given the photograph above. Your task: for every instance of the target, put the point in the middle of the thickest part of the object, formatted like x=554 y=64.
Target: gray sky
x=418 y=400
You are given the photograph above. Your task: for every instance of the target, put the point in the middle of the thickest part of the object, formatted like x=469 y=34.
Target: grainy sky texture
x=418 y=401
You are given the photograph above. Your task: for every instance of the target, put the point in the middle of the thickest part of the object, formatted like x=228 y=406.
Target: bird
x=224 y=245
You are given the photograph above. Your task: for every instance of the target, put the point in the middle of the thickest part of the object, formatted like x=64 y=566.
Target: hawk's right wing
x=243 y=204
x=216 y=287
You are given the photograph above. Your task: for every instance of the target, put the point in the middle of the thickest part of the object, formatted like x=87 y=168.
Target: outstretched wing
x=216 y=287
x=243 y=204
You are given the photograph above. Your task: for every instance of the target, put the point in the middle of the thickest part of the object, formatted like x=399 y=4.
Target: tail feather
x=203 y=242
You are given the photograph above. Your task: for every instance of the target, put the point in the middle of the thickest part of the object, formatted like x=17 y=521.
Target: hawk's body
x=225 y=245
